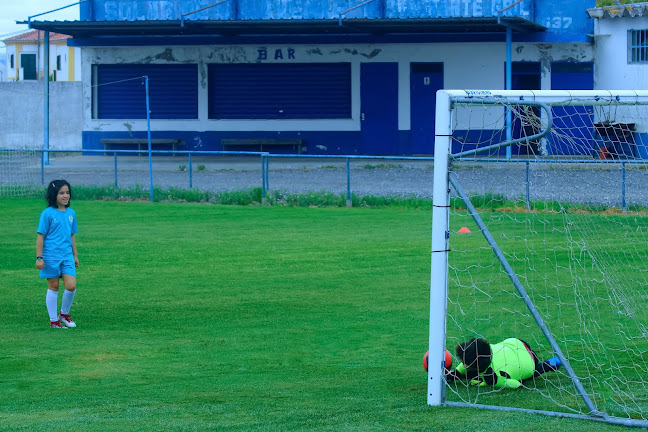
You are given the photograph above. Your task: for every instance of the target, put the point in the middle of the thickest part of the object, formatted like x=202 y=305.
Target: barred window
x=637 y=46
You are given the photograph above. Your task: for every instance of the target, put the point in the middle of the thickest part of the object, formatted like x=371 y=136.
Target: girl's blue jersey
x=57 y=227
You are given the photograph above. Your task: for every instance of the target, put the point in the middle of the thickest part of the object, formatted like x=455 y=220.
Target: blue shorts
x=56 y=268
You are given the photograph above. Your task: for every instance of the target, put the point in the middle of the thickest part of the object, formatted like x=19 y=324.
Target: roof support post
x=46 y=48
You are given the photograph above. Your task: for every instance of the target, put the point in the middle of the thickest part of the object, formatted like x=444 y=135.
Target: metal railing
x=264 y=160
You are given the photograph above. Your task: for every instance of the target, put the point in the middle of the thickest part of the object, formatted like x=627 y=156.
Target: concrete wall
x=22 y=114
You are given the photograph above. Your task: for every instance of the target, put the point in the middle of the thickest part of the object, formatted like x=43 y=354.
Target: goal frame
x=443 y=179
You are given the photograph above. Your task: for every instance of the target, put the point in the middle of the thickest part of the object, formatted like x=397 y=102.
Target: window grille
x=637 y=46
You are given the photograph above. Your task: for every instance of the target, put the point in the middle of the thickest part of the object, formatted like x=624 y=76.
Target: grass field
x=205 y=317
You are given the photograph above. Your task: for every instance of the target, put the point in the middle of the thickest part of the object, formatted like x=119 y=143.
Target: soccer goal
x=540 y=232
x=20 y=172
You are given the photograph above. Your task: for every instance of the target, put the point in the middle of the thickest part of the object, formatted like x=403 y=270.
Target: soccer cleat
x=56 y=324
x=554 y=362
x=66 y=320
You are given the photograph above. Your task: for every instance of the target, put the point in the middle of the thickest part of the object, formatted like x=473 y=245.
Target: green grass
x=487 y=201
x=209 y=317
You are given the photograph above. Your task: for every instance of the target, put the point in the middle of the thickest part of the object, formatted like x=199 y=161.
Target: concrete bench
x=263 y=142
x=142 y=143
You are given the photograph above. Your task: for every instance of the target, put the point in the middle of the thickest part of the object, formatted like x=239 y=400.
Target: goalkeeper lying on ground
x=503 y=365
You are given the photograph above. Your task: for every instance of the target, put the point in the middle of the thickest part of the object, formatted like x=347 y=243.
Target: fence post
x=623 y=187
x=190 y=173
x=264 y=200
x=528 y=192
x=115 y=157
x=42 y=153
x=348 y=170
x=267 y=172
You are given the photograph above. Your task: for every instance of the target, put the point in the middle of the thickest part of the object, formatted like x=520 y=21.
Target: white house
x=25 y=57
x=621 y=46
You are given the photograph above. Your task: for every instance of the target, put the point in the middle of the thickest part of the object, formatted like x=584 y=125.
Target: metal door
x=425 y=80
x=379 y=108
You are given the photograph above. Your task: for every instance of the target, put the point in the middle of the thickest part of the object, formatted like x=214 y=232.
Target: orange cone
x=464 y=230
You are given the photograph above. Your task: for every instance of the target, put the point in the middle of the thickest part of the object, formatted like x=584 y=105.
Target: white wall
x=11 y=73
x=466 y=65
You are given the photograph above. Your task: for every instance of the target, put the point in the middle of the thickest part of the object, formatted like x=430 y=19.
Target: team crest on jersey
x=71 y=219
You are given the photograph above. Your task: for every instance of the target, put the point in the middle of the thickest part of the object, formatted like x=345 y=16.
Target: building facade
x=25 y=57
x=331 y=77
x=621 y=46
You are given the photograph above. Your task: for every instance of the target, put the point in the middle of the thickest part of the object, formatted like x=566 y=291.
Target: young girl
x=56 y=252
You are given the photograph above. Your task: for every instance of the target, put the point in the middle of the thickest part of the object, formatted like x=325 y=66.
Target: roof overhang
x=412 y=26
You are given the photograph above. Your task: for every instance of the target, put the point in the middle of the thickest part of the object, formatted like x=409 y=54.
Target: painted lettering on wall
x=278 y=54
x=480 y=8
x=159 y=10
x=558 y=22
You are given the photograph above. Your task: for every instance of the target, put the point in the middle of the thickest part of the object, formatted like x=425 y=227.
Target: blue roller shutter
x=280 y=91
x=173 y=91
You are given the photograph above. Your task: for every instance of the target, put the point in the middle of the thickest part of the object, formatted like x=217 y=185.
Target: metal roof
x=35 y=36
x=618 y=11
x=467 y=25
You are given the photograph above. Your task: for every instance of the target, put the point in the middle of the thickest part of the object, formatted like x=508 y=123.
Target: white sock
x=66 y=303
x=51 y=302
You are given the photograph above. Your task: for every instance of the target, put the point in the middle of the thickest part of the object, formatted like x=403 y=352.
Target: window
x=637 y=46
x=119 y=91
x=58 y=62
x=280 y=91
x=11 y=61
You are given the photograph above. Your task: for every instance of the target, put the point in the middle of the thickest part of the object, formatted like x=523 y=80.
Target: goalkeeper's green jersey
x=512 y=363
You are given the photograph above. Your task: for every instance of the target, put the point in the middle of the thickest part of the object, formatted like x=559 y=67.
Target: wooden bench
x=263 y=142
x=142 y=143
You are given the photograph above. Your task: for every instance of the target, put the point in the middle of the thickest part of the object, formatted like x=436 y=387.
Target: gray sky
x=19 y=10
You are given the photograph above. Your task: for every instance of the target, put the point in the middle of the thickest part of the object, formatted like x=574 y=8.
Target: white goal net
x=540 y=233
x=20 y=172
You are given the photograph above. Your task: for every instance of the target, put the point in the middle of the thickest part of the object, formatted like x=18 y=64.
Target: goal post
x=558 y=250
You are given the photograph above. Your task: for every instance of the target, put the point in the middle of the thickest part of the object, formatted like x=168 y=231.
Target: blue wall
x=565 y=17
x=559 y=15
x=100 y=10
x=565 y=20
x=315 y=142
